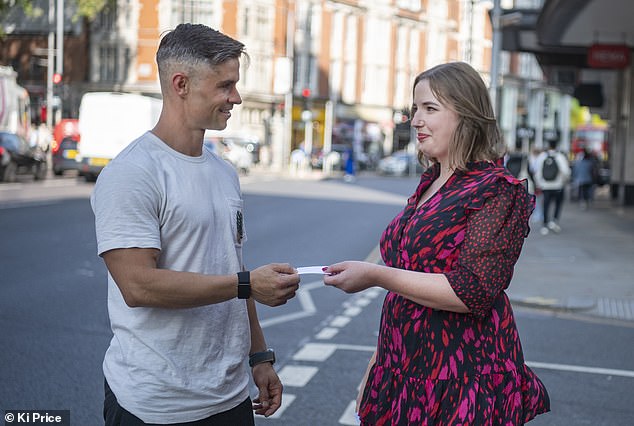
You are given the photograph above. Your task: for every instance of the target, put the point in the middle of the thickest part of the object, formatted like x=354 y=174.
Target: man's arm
x=270 y=387
x=143 y=284
x=258 y=343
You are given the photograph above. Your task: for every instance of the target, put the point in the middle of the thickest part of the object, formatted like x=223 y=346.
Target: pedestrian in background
x=538 y=213
x=170 y=229
x=448 y=350
x=552 y=173
x=584 y=176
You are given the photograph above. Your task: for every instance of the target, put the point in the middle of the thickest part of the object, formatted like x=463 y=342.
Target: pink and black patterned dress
x=436 y=367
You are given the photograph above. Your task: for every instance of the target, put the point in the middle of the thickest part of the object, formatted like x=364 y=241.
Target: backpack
x=550 y=169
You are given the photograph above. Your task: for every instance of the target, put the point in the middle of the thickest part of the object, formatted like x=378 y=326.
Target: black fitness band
x=244 y=285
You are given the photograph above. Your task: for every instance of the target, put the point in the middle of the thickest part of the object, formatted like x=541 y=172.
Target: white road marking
x=360 y=348
x=327 y=333
x=315 y=352
x=373 y=293
x=363 y=301
x=296 y=375
x=306 y=302
x=340 y=321
x=581 y=369
x=287 y=400
x=352 y=311
x=349 y=416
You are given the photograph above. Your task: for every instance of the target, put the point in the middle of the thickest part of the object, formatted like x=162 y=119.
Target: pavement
x=587 y=268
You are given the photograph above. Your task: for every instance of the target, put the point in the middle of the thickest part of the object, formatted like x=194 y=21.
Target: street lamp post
x=59 y=47
x=495 y=53
x=288 y=96
x=50 y=62
x=470 y=39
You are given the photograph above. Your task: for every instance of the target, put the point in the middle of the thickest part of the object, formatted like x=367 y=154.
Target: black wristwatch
x=260 y=357
x=244 y=285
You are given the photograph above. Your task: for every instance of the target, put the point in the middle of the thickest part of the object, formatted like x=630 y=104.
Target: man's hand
x=274 y=284
x=270 y=389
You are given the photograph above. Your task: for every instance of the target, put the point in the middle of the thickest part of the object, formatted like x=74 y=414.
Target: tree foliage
x=90 y=8
x=85 y=8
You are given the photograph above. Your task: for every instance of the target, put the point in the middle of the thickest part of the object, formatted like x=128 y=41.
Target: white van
x=108 y=122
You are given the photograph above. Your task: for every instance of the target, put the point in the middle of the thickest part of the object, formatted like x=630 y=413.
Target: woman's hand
x=350 y=276
x=364 y=381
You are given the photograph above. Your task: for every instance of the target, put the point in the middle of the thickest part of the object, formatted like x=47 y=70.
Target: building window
x=375 y=66
x=107 y=19
x=437 y=33
x=349 y=83
x=257 y=22
x=193 y=11
x=412 y=5
x=258 y=76
x=108 y=64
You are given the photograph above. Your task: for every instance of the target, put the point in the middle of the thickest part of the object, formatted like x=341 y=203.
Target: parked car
x=65 y=128
x=399 y=164
x=251 y=145
x=247 y=140
x=63 y=155
x=18 y=157
x=235 y=154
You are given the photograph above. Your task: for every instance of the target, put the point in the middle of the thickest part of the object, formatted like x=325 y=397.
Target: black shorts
x=115 y=415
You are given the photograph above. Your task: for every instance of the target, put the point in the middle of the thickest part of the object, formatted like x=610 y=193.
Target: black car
x=63 y=156
x=18 y=157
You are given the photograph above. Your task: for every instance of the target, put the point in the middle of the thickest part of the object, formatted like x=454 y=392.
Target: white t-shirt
x=562 y=177
x=174 y=365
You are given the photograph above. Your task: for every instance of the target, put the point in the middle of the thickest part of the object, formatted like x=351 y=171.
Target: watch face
x=244 y=291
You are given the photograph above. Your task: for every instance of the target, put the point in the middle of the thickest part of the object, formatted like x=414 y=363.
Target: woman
x=449 y=352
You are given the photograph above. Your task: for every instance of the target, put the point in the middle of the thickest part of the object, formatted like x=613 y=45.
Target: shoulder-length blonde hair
x=477 y=137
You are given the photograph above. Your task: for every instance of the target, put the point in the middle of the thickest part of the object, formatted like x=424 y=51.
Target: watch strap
x=244 y=285
x=261 y=357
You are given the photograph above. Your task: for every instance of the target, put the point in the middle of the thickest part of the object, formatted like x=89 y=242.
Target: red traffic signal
x=57 y=78
x=306 y=93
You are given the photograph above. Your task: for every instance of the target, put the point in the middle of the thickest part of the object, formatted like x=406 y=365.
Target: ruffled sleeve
x=497 y=223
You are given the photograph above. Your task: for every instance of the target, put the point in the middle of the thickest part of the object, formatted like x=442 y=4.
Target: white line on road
x=306 y=302
x=297 y=375
x=581 y=369
x=349 y=417
x=355 y=347
x=352 y=311
x=315 y=352
x=286 y=401
x=340 y=321
x=327 y=333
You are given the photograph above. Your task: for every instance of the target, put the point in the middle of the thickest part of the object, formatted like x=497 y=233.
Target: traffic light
x=306 y=97
x=57 y=78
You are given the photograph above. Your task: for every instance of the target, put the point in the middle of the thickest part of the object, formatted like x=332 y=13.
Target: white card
x=311 y=270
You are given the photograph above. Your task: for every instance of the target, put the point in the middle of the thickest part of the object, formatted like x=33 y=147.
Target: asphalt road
x=54 y=325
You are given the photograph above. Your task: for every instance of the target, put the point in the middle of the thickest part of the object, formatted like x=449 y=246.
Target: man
x=169 y=225
x=551 y=175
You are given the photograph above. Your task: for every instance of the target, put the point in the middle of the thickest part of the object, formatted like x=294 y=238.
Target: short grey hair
x=192 y=45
